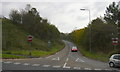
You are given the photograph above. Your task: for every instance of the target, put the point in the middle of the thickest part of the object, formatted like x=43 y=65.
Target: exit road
x=62 y=60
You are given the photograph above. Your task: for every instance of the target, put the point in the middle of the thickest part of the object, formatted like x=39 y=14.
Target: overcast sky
x=64 y=14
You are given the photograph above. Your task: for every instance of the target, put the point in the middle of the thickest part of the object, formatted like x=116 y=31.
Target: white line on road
x=46 y=65
x=76 y=68
x=16 y=63
x=87 y=68
x=26 y=64
x=8 y=62
x=79 y=60
x=57 y=58
x=64 y=66
x=97 y=69
x=49 y=56
x=35 y=64
x=56 y=66
x=67 y=59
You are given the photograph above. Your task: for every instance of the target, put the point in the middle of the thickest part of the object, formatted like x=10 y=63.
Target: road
x=63 y=60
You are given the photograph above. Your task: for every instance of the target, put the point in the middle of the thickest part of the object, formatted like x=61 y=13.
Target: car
x=114 y=60
x=74 y=49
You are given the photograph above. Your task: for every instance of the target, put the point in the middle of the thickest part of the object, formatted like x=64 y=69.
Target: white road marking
x=67 y=59
x=57 y=58
x=76 y=68
x=56 y=66
x=87 y=68
x=97 y=69
x=49 y=56
x=46 y=65
x=26 y=64
x=8 y=62
x=79 y=60
x=16 y=63
x=35 y=64
x=64 y=66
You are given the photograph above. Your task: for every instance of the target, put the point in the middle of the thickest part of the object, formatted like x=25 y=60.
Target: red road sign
x=114 y=41
x=30 y=38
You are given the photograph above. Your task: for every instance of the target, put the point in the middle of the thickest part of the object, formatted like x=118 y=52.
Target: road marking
x=35 y=64
x=76 y=68
x=56 y=66
x=46 y=65
x=8 y=62
x=79 y=60
x=64 y=66
x=49 y=56
x=57 y=58
x=17 y=63
x=97 y=69
x=87 y=68
x=26 y=64
x=67 y=59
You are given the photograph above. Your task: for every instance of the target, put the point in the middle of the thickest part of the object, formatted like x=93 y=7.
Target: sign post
x=30 y=37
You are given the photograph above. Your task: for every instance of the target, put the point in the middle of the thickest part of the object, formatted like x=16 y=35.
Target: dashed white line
x=26 y=64
x=8 y=62
x=16 y=63
x=97 y=69
x=87 y=68
x=35 y=64
x=76 y=68
x=56 y=66
x=46 y=65
x=79 y=60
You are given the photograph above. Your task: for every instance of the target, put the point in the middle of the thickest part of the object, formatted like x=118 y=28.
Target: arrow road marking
x=64 y=66
x=79 y=60
x=57 y=58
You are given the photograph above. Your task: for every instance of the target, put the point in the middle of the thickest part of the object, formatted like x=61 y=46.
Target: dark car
x=114 y=60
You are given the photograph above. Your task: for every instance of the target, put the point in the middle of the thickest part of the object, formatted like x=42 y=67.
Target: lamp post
x=90 y=49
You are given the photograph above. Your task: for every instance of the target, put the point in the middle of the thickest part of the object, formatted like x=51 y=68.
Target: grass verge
x=34 y=53
x=96 y=56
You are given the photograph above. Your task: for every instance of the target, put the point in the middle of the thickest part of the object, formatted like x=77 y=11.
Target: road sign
x=114 y=41
x=30 y=38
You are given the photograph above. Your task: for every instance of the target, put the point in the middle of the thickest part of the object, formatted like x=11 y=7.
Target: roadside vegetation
x=15 y=33
x=101 y=31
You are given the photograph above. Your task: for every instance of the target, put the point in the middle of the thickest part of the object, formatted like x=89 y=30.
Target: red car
x=74 y=49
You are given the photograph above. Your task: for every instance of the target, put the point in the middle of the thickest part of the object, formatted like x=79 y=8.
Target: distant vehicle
x=74 y=49
x=114 y=60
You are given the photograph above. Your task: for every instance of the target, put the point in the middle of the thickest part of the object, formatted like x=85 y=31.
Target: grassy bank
x=96 y=56
x=34 y=53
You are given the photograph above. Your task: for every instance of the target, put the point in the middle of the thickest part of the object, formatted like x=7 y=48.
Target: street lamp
x=89 y=26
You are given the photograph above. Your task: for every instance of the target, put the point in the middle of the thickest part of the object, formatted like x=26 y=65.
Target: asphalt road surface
x=63 y=60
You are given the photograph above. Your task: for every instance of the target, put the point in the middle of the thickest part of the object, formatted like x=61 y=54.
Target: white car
x=74 y=49
x=114 y=60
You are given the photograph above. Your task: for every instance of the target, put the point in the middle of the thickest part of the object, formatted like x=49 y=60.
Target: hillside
x=15 y=42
